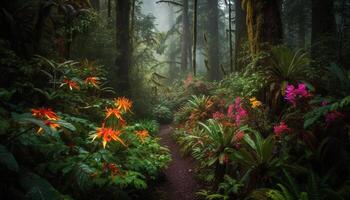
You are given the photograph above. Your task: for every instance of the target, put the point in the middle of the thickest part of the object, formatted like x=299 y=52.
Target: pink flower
x=230 y=113
x=333 y=116
x=218 y=115
x=281 y=128
x=324 y=103
x=241 y=114
x=294 y=94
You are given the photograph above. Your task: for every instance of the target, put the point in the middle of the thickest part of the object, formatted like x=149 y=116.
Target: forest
x=175 y=100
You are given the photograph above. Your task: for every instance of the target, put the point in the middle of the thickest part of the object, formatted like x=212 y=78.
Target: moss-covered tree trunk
x=264 y=25
x=213 y=39
x=123 y=45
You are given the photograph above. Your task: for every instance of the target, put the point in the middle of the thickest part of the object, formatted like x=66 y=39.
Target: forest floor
x=180 y=180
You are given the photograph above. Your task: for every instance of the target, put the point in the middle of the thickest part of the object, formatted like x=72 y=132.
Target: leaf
x=37 y=188
x=66 y=125
x=7 y=159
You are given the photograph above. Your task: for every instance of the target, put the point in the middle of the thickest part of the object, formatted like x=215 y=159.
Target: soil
x=180 y=180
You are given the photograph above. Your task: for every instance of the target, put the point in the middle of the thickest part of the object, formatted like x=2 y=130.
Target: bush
x=162 y=114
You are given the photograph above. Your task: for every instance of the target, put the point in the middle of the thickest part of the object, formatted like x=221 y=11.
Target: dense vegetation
x=257 y=92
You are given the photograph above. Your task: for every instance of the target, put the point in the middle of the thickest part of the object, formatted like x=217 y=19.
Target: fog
x=160 y=11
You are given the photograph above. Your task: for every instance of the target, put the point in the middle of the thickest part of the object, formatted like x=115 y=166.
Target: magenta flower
x=241 y=114
x=230 y=113
x=294 y=94
x=280 y=129
x=333 y=116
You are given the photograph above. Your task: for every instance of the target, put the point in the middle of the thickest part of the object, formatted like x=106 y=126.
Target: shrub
x=162 y=114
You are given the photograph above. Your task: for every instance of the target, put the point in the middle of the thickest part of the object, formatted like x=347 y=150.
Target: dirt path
x=180 y=183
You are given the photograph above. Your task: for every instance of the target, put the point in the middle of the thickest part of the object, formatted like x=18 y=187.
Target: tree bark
x=195 y=7
x=123 y=45
x=230 y=34
x=213 y=40
x=264 y=25
x=241 y=30
x=95 y=4
x=185 y=36
x=323 y=31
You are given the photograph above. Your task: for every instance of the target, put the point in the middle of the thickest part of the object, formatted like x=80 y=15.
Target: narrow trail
x=180 y=183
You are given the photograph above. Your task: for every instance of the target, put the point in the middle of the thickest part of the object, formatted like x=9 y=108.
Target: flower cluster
x=116 y=122
x=294 y=94
x=280 y=129
x=143 y=134
x=235 y=112
x=255 y=103
x=48 y=116
x=89 y=81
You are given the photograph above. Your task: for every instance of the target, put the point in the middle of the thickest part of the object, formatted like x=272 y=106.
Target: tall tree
x=185 y=36
x=95 y=4
x=194 y=48
x=264 y=24
x=123 y=45
x=213 y=39
x=323 y=30
x=230 y=34
x=240 y=30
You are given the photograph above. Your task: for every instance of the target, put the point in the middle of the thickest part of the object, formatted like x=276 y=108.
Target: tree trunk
x=230 y=34
x=195 y=7
x=123 y=45
x=323 y=31
x=264 y=24
x=213 y=40
x=109 y=9
x=240 y=32
x=185 y=36
x=95 y=4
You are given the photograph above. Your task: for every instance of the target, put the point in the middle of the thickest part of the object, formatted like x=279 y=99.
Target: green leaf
x=37 y=188
x=7 y=159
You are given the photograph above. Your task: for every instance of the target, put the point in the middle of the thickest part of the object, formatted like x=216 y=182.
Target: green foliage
x=162 y=114
x=8 y=160
x=287 y=67
x=242 y=84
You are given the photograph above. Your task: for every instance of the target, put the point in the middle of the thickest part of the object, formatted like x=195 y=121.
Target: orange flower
x=113 y=112
x=50 y=123
x=123 y=104
x=112 y=168
x=142 y=134
x=108 y=134
x=71 y=84
x=92 y=80
x=42 y=113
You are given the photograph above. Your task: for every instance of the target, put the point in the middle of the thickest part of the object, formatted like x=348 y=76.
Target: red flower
x=281 y=128
x=108 y=134
x=42 y=113
x=238 y=136
x=333 y=116
x=92 y=80
x=71 y=84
